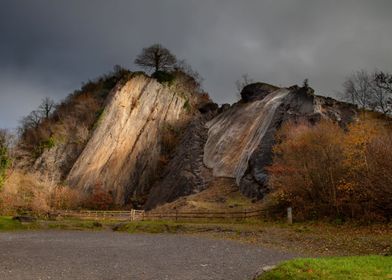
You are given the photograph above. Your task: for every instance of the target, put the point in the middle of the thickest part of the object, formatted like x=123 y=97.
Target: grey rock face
x=299 y=104
x=234 y=135
x=185 y=174
x=54 y=164
x=240 y=140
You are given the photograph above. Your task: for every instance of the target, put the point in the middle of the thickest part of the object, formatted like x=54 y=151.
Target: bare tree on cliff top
x=46 y=107
x=156 y=57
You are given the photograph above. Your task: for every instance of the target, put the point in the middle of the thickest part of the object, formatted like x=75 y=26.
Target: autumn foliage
x=70 y=121
x=99 y=199
x=26 y=192
x=327 y=171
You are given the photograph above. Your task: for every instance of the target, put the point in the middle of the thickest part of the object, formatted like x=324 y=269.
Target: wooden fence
x=205 y=215
x=138 y=215
x=133 y=215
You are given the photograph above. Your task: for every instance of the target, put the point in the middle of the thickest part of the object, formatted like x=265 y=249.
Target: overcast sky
x=48 y=48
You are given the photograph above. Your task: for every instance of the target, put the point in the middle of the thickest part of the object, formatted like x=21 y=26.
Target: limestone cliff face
x=123 y=153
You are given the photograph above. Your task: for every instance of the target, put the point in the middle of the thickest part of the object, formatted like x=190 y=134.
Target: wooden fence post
x=289 y=215
x=132 y=214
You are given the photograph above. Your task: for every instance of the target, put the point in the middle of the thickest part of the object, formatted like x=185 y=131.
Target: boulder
x=256 y=91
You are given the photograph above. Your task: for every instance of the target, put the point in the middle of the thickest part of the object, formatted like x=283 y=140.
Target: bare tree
x=156 y=57
x=46 y=107
x=243 y=82
x=382 y=86
x=32 y=120
x=358 y=90
x=369 y=91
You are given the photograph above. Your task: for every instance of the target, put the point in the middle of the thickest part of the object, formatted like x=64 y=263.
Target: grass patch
x=344 y=268
x=8 y=224
x=72 y=225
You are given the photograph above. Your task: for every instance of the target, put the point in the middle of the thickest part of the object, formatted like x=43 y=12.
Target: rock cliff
x=240 y=140
x=123 y=153
x=130 y=154
x=236 y=141
x=234 y=135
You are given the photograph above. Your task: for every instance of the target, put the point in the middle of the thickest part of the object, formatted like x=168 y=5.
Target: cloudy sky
x=48 y=48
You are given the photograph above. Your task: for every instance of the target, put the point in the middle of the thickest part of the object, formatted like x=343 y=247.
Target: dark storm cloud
x=47 y=48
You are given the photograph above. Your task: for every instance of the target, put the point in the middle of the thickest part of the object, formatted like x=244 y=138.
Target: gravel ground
x=111 y=255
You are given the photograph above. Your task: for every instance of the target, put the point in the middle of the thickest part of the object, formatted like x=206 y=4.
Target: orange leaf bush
x=327 y=171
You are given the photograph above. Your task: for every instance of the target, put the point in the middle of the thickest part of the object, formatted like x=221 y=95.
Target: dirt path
x=110 y=255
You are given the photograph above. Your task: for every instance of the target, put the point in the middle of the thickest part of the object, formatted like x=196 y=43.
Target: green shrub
x=163 y=77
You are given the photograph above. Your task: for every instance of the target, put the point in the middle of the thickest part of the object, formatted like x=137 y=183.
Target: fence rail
x=132 y=215
x=137 y=215
x=238 y=215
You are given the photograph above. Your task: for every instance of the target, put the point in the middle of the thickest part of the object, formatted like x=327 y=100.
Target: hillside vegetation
x=71 y=121
x=324 y=170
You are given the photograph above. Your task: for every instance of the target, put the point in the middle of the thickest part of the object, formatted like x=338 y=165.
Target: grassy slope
x=364 y=267
x=221 y=195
